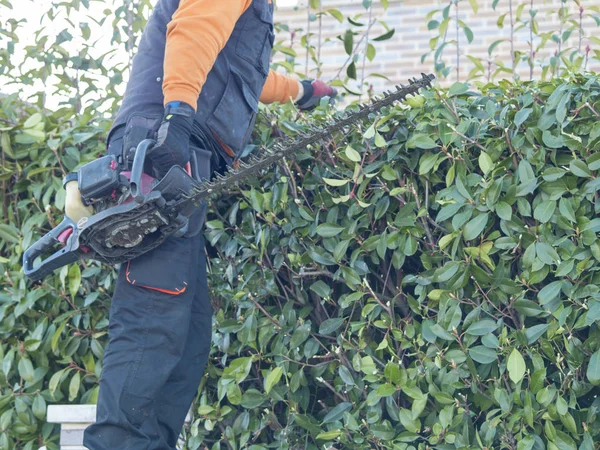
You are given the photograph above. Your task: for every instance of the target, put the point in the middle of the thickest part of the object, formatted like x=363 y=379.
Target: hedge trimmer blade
x=256 y=163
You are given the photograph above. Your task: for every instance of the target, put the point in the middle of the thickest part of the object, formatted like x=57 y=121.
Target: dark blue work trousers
x=159 y=340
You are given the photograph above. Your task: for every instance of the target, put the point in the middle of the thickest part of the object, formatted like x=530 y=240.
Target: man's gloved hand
x=173 y=138
x=314 y=91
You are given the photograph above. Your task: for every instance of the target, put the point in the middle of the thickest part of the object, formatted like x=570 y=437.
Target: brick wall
x=400 y=57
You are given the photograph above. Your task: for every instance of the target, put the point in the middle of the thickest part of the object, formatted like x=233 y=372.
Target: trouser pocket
x=164 y=270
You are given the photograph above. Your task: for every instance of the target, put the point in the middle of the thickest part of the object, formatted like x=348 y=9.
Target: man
x=201 y=68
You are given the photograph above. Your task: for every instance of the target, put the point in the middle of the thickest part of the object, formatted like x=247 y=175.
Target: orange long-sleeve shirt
x=196 y=34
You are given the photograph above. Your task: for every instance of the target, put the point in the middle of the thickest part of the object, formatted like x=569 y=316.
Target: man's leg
x=176 y=396
x=147 y=335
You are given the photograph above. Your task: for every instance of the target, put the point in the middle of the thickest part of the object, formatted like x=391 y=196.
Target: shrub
x=427 y=280
x=430 y=281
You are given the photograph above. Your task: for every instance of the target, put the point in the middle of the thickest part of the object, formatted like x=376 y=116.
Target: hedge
x=428 y=279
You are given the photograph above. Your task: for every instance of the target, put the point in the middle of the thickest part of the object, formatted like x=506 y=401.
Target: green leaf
x=26 y=369
x=273 y=378
x=593 y=369
x=74 y=280
x=385 y=36
x=549 y=292
x=348 y=42
x=39 y=407
x=504 y=210
x=592 y=225
x=593 y=161
x=352 y=154
x=516 y=366
x=475 y=226
x=371 y=52
x=337 y=14
x=55 y=382
x=321 y=288
x=482 y=327
x=485 y=163
x=408 y=421
x=337 y=413
x=385 y=390
x=521 y=116
x=251 y=399
x=74 y=386
x=427 y=162
x=329 y=230
x=482 y=354
x=335 y=182
x=551 y=140
x=546 y=253
x=329 y=435
x=544 y=211
x=579 y=168
x=458 y=88
x=533 y=333
x=421 y=141
x=9 y=234
x=329 y=326
x=33 y=120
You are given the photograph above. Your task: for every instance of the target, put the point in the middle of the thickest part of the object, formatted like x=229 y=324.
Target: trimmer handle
x=67 y=229
x=135 y=182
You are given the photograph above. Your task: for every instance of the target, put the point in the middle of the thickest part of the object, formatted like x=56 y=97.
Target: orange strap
x=165 y=291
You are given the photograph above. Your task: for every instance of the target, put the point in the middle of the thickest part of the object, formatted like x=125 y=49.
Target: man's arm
x=307 y=93
x=197 y=33
x=280 y=88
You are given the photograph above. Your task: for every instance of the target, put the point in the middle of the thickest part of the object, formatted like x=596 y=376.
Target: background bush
x=428 y=279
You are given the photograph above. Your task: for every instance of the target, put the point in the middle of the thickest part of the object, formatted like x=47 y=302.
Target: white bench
x=73 y=420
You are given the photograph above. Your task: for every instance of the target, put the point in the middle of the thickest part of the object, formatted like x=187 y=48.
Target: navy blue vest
x=228 y=102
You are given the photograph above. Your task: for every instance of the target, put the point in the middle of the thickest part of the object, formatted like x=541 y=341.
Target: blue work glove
x=314 y=91
x=173 y=138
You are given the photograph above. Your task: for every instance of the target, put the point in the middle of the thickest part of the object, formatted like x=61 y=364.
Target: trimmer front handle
x=65 y=233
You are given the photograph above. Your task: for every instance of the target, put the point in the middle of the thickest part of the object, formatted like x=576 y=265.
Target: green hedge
x=427 y=280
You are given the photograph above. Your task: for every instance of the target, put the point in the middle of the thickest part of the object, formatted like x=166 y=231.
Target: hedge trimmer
x=135 y=213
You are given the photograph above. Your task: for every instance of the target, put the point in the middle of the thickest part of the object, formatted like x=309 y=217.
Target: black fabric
x=208 y=162
x=173 y=140
x=308 y=92
x=157 y=351
x=227 y=105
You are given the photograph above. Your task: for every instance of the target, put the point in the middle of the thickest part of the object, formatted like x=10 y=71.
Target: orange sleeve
x=196 y=34
x=279 y=88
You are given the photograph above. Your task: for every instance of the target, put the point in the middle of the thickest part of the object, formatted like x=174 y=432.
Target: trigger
x=62 y=237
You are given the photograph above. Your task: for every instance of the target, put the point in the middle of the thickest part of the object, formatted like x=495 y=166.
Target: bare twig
x=588 y=106
x=423 y=221
x=356 y=47
x=130 y=27
x=457 y=42
x=332 y=389
x=362 y=76
x=314 y=273
x=531 y=54
x=307 y=38
x=512 y=37
x=320 y=36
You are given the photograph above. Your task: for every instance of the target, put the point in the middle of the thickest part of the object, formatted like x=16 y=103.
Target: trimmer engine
x=133 y=213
